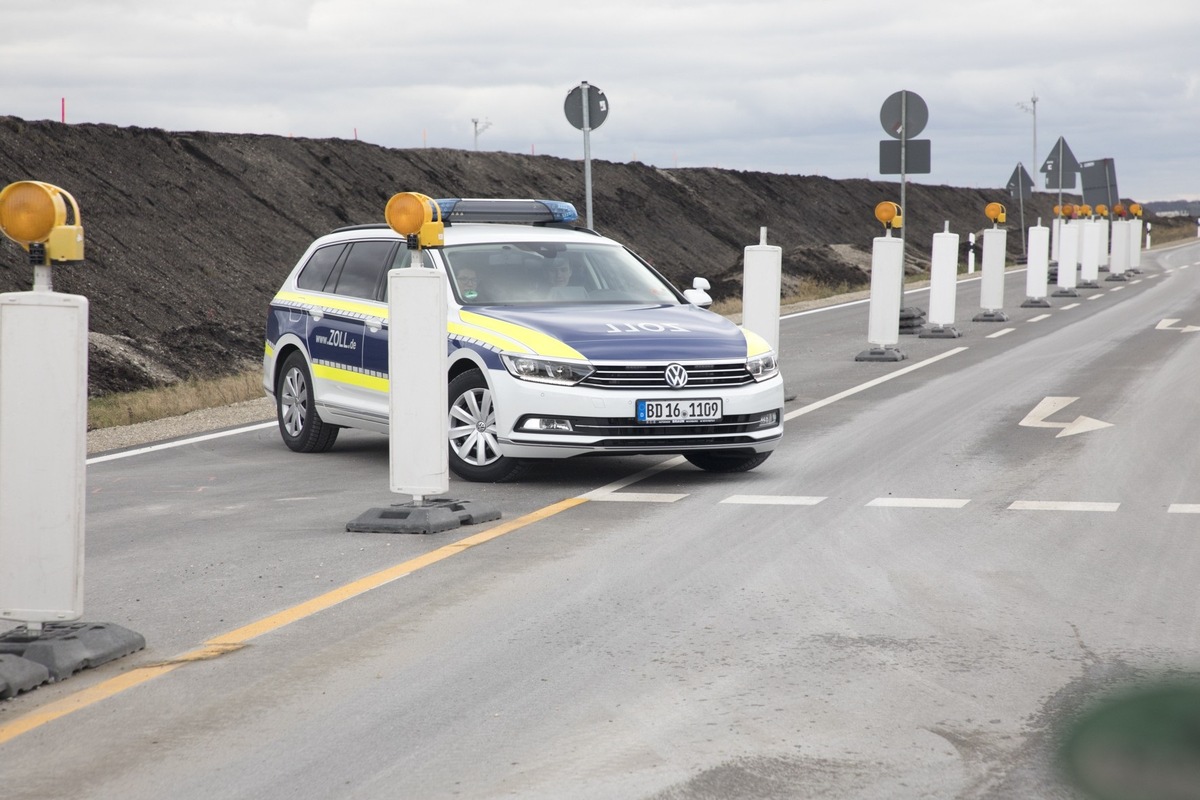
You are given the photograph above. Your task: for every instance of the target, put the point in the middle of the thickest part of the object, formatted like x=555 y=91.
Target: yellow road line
x=234 y=640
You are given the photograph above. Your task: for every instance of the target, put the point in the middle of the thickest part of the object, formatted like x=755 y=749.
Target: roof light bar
x=469 y=209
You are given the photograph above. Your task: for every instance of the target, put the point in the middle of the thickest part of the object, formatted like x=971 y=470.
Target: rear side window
x=362 y=274
x=315 y=274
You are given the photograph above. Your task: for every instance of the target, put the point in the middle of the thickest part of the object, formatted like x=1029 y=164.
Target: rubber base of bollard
x=1088 y=285
x=941 y=332
x=66 y=648
x=20 y=675
x=1036 y=302
x=1065 y=293
x=880 y=354
x=1117 y=276
x=433 y=516
x=990 y=316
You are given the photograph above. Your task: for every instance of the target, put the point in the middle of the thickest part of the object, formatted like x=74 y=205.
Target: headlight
x=546 y=370
x=763 y=366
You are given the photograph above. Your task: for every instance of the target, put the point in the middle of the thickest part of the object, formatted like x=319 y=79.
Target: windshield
x=527 y=273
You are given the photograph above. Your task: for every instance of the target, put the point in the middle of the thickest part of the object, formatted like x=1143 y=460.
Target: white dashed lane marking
x=773 y=500
x=1063 y=505
x=917 y=502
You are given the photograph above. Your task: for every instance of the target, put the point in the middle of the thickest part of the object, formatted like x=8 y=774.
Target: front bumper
x=604 y=421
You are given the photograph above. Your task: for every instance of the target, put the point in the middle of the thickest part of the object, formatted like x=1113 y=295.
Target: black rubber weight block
x=20 y=675
x=66 y=648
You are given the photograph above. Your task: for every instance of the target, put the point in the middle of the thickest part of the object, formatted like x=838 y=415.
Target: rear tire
x=716 y=461
x=300 y=425
x=474 y=447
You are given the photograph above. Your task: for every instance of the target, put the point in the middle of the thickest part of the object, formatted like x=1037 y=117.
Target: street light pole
x=1031 y=107
x=479 y=129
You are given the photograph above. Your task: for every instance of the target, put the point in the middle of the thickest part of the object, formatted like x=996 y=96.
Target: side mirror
x=698 y=294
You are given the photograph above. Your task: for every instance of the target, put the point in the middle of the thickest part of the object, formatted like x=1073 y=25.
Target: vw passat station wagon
x=561 y=343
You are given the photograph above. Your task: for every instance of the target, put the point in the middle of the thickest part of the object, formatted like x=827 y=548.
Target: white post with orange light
x=761 y=281
x=887 y=286
x=995 y=244
x=418 y=423
x=1089 y=252
x=1135 y=237
x=1068 y=254
x=1037 y=267
x=1105 y=235
x=943 y=286
x=43 y=415
x=1119 y=255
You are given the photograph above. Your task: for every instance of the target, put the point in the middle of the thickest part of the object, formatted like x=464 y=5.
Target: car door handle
x=315 y=313
x=374 y=324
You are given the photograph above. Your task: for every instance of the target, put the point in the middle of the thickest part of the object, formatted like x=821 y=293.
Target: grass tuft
x=145 y=405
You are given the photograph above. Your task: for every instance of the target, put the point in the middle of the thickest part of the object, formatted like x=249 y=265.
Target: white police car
x=561 y=343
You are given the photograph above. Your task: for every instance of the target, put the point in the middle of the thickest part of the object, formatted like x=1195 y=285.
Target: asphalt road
x=914 y=597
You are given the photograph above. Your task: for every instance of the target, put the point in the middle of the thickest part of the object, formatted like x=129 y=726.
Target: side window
x=315 y=274
x=362 y=274
x=402 y=258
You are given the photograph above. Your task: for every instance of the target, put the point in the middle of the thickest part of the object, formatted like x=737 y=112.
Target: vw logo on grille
x=676 y=375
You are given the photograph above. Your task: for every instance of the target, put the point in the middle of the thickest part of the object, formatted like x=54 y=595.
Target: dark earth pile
x=188 y=235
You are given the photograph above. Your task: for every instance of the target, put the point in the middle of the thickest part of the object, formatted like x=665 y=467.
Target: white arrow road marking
x=1050 y=406
x=1168 y=325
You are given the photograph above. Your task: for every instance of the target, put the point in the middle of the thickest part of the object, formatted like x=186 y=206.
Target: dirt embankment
x=190 y=234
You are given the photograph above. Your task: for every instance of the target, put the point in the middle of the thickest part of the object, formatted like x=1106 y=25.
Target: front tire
x=474 y=446
x=300 y=425
x=717 y=461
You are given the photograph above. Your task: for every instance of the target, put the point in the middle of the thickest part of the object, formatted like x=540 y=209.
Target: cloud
x=787 y=86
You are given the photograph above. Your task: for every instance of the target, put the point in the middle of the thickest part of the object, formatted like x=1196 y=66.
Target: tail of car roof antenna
x=468 y=209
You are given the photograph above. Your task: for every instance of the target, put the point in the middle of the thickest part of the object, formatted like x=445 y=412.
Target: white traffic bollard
x=1068 y=259
x=1135 y=246
x=887 y=278
x=1055 y=235
x=991 y=291
x=418 y=426
x=971 y=253
x=1119 y=255
x=1037 y=272
x=1089 y=253
x=1147 y=247
x=43 y=449
x=1105 y=231
x=943 y=286
x=762 y=275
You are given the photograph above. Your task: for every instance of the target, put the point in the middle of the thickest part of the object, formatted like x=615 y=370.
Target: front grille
x=701 y=375
x=622 y=431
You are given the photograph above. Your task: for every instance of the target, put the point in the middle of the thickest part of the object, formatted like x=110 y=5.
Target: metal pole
x=1021 y=195
x=1034 y=100
x=587 y=152
x=903 y=165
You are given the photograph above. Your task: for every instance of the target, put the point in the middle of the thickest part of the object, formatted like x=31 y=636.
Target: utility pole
x=1031 y=108
x=479 y=129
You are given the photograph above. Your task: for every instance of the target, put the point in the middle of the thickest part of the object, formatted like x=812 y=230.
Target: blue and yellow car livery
x=560 y=343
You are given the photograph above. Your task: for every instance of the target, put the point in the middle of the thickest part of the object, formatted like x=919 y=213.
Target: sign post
x=586 y=108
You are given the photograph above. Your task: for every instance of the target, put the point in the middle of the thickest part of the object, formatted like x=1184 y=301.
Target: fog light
x=768 y=419
x=547 y=424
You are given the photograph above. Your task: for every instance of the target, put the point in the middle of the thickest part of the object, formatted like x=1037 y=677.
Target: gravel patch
x=209 y=419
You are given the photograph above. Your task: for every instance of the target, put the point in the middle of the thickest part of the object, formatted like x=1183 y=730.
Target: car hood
x=619 y=332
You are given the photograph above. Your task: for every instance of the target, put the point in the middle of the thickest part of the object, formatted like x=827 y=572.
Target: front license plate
x=668 y=411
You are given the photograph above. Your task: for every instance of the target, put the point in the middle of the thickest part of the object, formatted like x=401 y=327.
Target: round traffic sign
x=597 y=106
x=904 y=113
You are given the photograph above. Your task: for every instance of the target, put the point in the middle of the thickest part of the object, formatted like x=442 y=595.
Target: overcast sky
x=787 y=86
